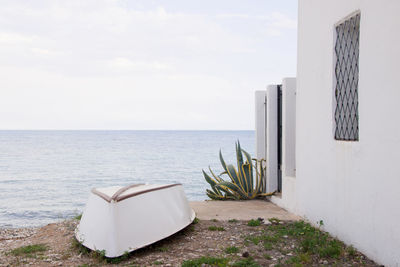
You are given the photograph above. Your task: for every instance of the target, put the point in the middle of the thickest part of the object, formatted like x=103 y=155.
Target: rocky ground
x=204 y=243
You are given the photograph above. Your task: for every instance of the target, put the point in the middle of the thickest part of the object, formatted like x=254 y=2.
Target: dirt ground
x=231 y=243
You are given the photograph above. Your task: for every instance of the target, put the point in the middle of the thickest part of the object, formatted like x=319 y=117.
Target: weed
x=351 y=251
x=162 y=249
x=305 y=258
x=269 y=241
x=312 y=240
x=283 y=251
x=214 y=220
x=28 y=250
x=317 y=242
x=254 y=222
x=99 y=255
x=76 y=245
x=158 y=262
x=274 y=220
x=205 y=260
x=196 y=221
x=248 y=262
x=65 y=256
x=132 y=264
x=279 y=264
x=267 y=256
x=119 y=259
x=272 y=239
x=268 y=246
x=233 y=221
x=231 y=250
x=332 y=249
x=253 y=239
x=216 y=228
x=299 y=260
x=78 y=217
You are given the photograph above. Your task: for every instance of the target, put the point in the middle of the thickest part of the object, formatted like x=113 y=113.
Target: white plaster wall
x=354 y=187
x=289 y=127
x=288 y=198
x=260 y=124
x=272 y=138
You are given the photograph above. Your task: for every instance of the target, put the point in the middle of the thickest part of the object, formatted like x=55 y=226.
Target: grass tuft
x=81 y=249
x=351 y=251
x=119 y=259
x=99 y=255
x=312 y=240
x=216 y=228
x=29 y=250
x=248 y=262
x=267 y=256
x=205 y=260
x=162 y=249
x=233 y=221
x=253 y=239
x=231 y=250
x=268 y=246
x=254 y=223
x=300 y=260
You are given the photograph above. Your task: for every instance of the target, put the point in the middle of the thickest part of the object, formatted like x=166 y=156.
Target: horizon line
x=127 y=130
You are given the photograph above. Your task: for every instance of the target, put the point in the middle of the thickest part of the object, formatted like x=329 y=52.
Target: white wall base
x=288 y=198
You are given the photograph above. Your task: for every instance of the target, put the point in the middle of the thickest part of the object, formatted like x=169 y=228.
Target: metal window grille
x=346 y=74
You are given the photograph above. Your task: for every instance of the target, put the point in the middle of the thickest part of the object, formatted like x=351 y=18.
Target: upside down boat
x=120 y=219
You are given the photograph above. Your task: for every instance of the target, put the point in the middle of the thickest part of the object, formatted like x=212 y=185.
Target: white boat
x=120 y=219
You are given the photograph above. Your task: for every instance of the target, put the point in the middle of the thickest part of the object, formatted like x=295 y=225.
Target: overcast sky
x=103 y=64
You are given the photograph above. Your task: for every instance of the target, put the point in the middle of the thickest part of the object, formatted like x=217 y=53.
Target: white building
x=340 y=125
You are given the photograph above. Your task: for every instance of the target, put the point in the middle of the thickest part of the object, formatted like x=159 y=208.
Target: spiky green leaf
x=221 y=159
x=217 y=178
x=246 y=169
x=214 y=196
x=233 y=188
x=250 y=170
x=228 y=192
x=209 y=180
x=244 y=182
x=233 y=174
x=212 y=182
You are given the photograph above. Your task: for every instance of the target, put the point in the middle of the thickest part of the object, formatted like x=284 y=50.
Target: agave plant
x=243 y=184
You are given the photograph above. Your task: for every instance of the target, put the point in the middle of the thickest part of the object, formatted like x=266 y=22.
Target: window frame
x=346 y=114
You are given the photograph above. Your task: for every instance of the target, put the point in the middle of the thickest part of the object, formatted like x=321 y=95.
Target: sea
x=46 y=176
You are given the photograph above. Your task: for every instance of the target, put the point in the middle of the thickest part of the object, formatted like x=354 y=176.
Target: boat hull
x=139 y=217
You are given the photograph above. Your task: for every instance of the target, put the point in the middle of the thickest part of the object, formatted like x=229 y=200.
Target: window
x=346 y=75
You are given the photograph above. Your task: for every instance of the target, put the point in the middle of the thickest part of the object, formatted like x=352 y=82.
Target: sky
x=141 y=65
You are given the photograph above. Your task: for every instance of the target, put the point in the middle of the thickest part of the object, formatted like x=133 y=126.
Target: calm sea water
x=47 y=175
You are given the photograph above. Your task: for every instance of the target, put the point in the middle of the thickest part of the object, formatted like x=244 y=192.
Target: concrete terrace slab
x=240 y=210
